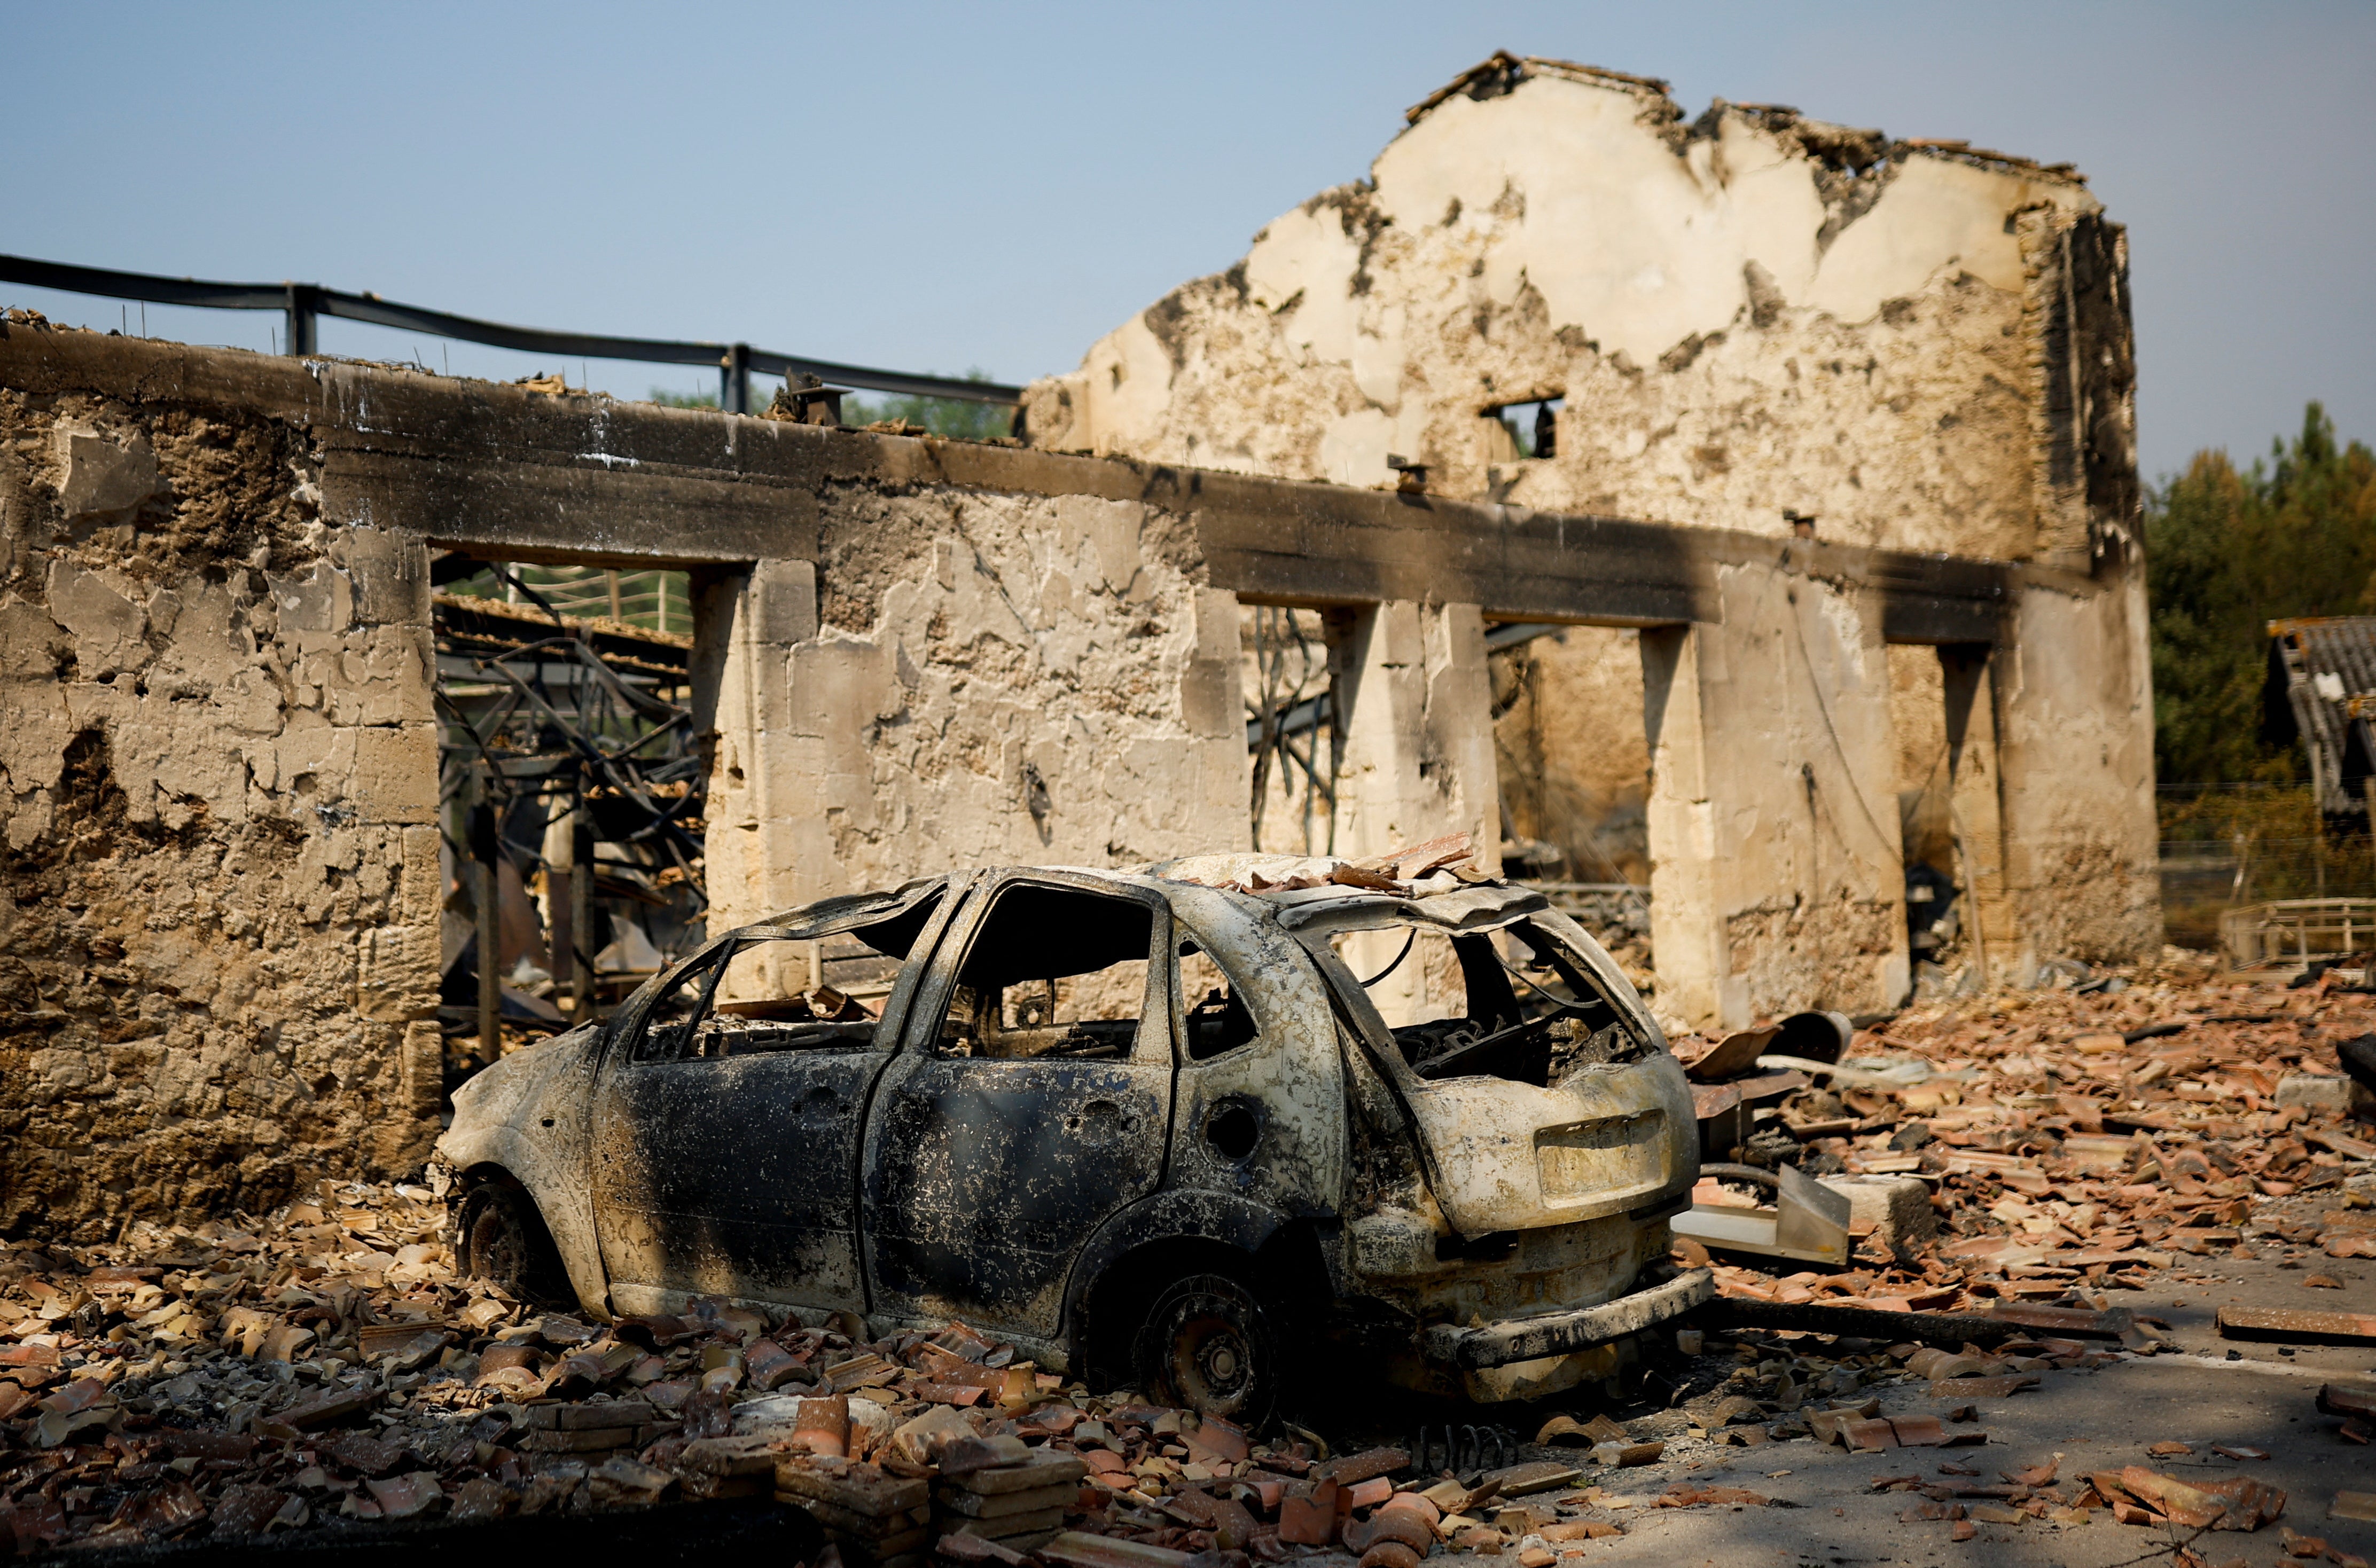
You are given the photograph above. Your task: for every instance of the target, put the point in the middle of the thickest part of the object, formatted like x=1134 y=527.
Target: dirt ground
x=322 y=1369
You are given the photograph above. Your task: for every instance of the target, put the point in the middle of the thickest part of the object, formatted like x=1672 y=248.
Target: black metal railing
x=304 y=303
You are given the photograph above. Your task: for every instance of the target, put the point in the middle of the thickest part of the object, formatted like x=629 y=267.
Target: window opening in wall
x=1531 y=429
x=1050 y=972
x=570 y=795
x=1291 y=729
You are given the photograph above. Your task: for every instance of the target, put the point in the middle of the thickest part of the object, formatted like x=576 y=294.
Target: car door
x=1029 y=1100
x=1258 y=1106
x=729 y=1117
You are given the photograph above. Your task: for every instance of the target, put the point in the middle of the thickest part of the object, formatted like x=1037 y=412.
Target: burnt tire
x=499 y=1237
x=1211 y=1345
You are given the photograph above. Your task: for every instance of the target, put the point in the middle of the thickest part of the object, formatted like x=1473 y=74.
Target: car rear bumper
x=1558 y=1334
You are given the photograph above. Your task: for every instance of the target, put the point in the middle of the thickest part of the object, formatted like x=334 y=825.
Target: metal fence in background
x=2229 y=846
x=303 y=304
x=648 y=599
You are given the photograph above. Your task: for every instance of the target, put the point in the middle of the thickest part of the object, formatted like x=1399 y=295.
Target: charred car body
x=1147 y=1128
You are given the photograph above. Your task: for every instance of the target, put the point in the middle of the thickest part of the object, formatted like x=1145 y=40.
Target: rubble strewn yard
x=2104 y=1193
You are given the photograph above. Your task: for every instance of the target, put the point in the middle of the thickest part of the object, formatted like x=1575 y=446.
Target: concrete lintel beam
x=536 y=476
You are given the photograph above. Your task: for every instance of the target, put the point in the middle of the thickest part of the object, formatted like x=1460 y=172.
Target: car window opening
x=1216 y=1017
x=1513 y=1003
x=1051 y=974
x=775 y=994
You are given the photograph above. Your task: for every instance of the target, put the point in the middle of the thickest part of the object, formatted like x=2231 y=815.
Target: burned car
x=1149 y=1126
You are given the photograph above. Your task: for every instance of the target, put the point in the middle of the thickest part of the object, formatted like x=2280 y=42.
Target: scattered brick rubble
x=2078 y=1141
x=324 y=1363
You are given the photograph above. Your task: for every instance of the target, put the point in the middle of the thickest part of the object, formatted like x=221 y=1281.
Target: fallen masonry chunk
x=2000 y=1387
x=1626 y=1455
x=1074 y=1549
x=1039 y=1469
x=2356 y=1406
x=2280 y=1325
x=1309 y=1517
x=330 y=1410
x=1518 y=1481
x=2140 y=1496
x=2071 y=1322
x=749 y=1455
x=1692 y=1494
x=1950 y=1330
x=1362 y=1467
x=967 y=1454
x=980 y=1549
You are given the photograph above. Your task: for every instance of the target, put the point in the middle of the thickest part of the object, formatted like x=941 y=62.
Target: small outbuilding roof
x=2322 y=675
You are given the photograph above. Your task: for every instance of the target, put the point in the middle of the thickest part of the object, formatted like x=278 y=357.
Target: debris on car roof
x=1439 y=866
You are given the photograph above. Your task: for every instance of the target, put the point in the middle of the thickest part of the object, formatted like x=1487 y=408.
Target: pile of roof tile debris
x=326 y=1366
x=2076 y=1140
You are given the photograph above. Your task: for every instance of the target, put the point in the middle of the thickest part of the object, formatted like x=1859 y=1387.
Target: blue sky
x=934 y=186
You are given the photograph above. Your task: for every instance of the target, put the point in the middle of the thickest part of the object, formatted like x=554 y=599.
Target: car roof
x=1319 y=892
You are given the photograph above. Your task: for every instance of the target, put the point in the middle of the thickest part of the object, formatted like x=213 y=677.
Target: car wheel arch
x=580 y=1254
x=1142 y=1249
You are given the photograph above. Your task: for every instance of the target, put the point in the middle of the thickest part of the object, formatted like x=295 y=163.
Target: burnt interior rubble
x=1429 y=813
x=569 y=787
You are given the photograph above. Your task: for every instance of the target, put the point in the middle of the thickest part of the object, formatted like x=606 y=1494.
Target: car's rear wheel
x=1210 y=1345
x=504 y=1240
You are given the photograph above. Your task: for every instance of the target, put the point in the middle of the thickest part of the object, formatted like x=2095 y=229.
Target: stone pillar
x=1776 y=876
x=2073 y=718
x=1414 y=708
x=761 y=821
x=394 y=787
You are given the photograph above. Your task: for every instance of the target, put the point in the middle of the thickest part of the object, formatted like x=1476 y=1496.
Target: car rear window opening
x=1514 y=1004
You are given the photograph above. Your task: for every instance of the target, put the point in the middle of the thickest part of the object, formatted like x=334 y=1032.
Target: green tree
x=2228 y=551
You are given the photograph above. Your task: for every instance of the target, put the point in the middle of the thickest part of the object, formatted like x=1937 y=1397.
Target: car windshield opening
x=1050 y=973
x=1518 y=1002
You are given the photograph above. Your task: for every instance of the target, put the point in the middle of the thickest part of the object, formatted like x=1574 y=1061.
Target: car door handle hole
x=1099 y=1121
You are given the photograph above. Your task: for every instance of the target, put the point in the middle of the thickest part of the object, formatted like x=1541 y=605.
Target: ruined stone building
x=1558 y=296
x=221 y=907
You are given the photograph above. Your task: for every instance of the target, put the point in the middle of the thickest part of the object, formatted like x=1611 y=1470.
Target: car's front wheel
x=501 y=1238
x=1211 y=1346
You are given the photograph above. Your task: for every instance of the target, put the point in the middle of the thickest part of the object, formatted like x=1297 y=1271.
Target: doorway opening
x=570 y=786
x=1936 y=908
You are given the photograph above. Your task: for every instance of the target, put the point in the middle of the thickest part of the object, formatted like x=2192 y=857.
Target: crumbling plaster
x=217 y=921
x=972 y=679
x=1754 y=313
x=1757 y=321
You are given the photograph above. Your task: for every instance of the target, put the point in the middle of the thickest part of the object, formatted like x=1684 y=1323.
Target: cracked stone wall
x=1751 y=313
x=1750 y=319
x=967 y=679
x=218 y=775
